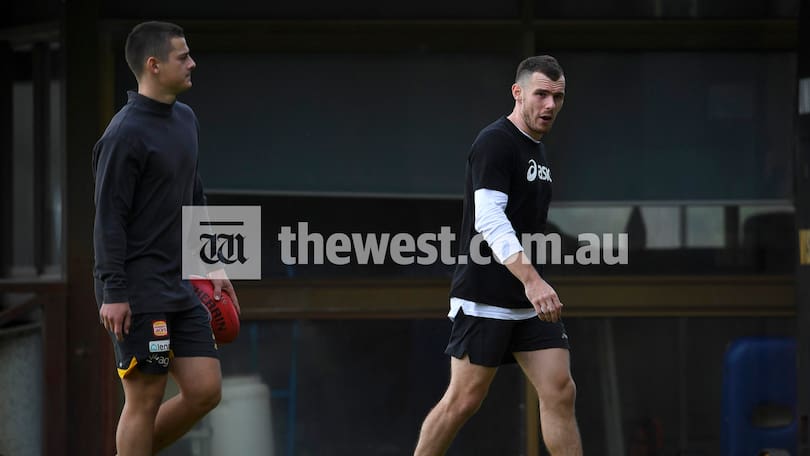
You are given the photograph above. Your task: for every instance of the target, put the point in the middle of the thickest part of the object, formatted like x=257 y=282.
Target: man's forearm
x=520 y=266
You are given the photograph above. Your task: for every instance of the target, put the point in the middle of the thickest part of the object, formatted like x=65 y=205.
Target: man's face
x=539 y=99
x=175 y=72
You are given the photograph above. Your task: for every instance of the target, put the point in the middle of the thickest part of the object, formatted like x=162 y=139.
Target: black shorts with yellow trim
x=154 y=339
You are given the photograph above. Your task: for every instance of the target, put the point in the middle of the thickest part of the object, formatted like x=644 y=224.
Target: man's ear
x=152 y=66
x=517 y=91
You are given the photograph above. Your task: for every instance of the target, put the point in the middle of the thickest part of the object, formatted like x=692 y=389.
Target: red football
x=224 y=319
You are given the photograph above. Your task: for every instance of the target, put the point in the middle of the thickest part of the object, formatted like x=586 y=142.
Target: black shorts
x=490 y=342
x=155 y=338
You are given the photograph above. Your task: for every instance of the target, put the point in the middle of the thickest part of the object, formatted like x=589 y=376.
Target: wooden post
x=91 y=380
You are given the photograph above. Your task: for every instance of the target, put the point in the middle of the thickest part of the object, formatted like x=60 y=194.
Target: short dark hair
x=150 y=39
x=545 y=64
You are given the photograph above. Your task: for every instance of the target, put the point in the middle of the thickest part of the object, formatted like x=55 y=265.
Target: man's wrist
x=112 y=295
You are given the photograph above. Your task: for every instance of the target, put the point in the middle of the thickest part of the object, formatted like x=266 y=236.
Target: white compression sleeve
x=494 y=226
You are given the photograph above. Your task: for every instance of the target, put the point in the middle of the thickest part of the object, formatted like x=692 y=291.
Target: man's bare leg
x=142 y=396
x=550 y=373
x=469 y=384
x=200 y=382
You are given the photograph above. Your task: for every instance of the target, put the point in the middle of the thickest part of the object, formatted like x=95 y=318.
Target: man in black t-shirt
x=145 y=170
x=504 y=311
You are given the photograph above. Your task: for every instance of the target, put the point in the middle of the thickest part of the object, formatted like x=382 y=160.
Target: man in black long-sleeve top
x=145 y=168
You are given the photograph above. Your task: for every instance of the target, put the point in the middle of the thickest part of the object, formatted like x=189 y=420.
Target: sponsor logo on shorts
x=162 y=360
x=159 y=328
x=158 y=346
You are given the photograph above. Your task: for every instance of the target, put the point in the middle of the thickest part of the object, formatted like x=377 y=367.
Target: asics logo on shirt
x=536 y=171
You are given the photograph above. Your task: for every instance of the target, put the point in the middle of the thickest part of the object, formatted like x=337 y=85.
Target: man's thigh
x=197 y=373
x=141 y=388
x=464 y=371
x=547 y=369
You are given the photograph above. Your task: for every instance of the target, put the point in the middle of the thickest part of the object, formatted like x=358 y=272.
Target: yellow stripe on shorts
x=123 y=372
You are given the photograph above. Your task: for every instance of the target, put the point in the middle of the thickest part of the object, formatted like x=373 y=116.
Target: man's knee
x=211 y=397
x=568 y=392
x=560 y=394
x=204 y=395
x=200 y=382
x=468 y=406
x=465 y=403
x=146 y=405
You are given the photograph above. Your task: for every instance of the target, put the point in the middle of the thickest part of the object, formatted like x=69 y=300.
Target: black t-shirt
x=504 y=159
x=145 y=169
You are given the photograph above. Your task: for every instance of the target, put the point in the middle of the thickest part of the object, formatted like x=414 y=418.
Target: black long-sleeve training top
x=145 y=170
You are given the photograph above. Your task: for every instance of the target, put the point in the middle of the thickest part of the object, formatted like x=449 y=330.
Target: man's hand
x=222 y=283
x=544 y=299
x=116 y=317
